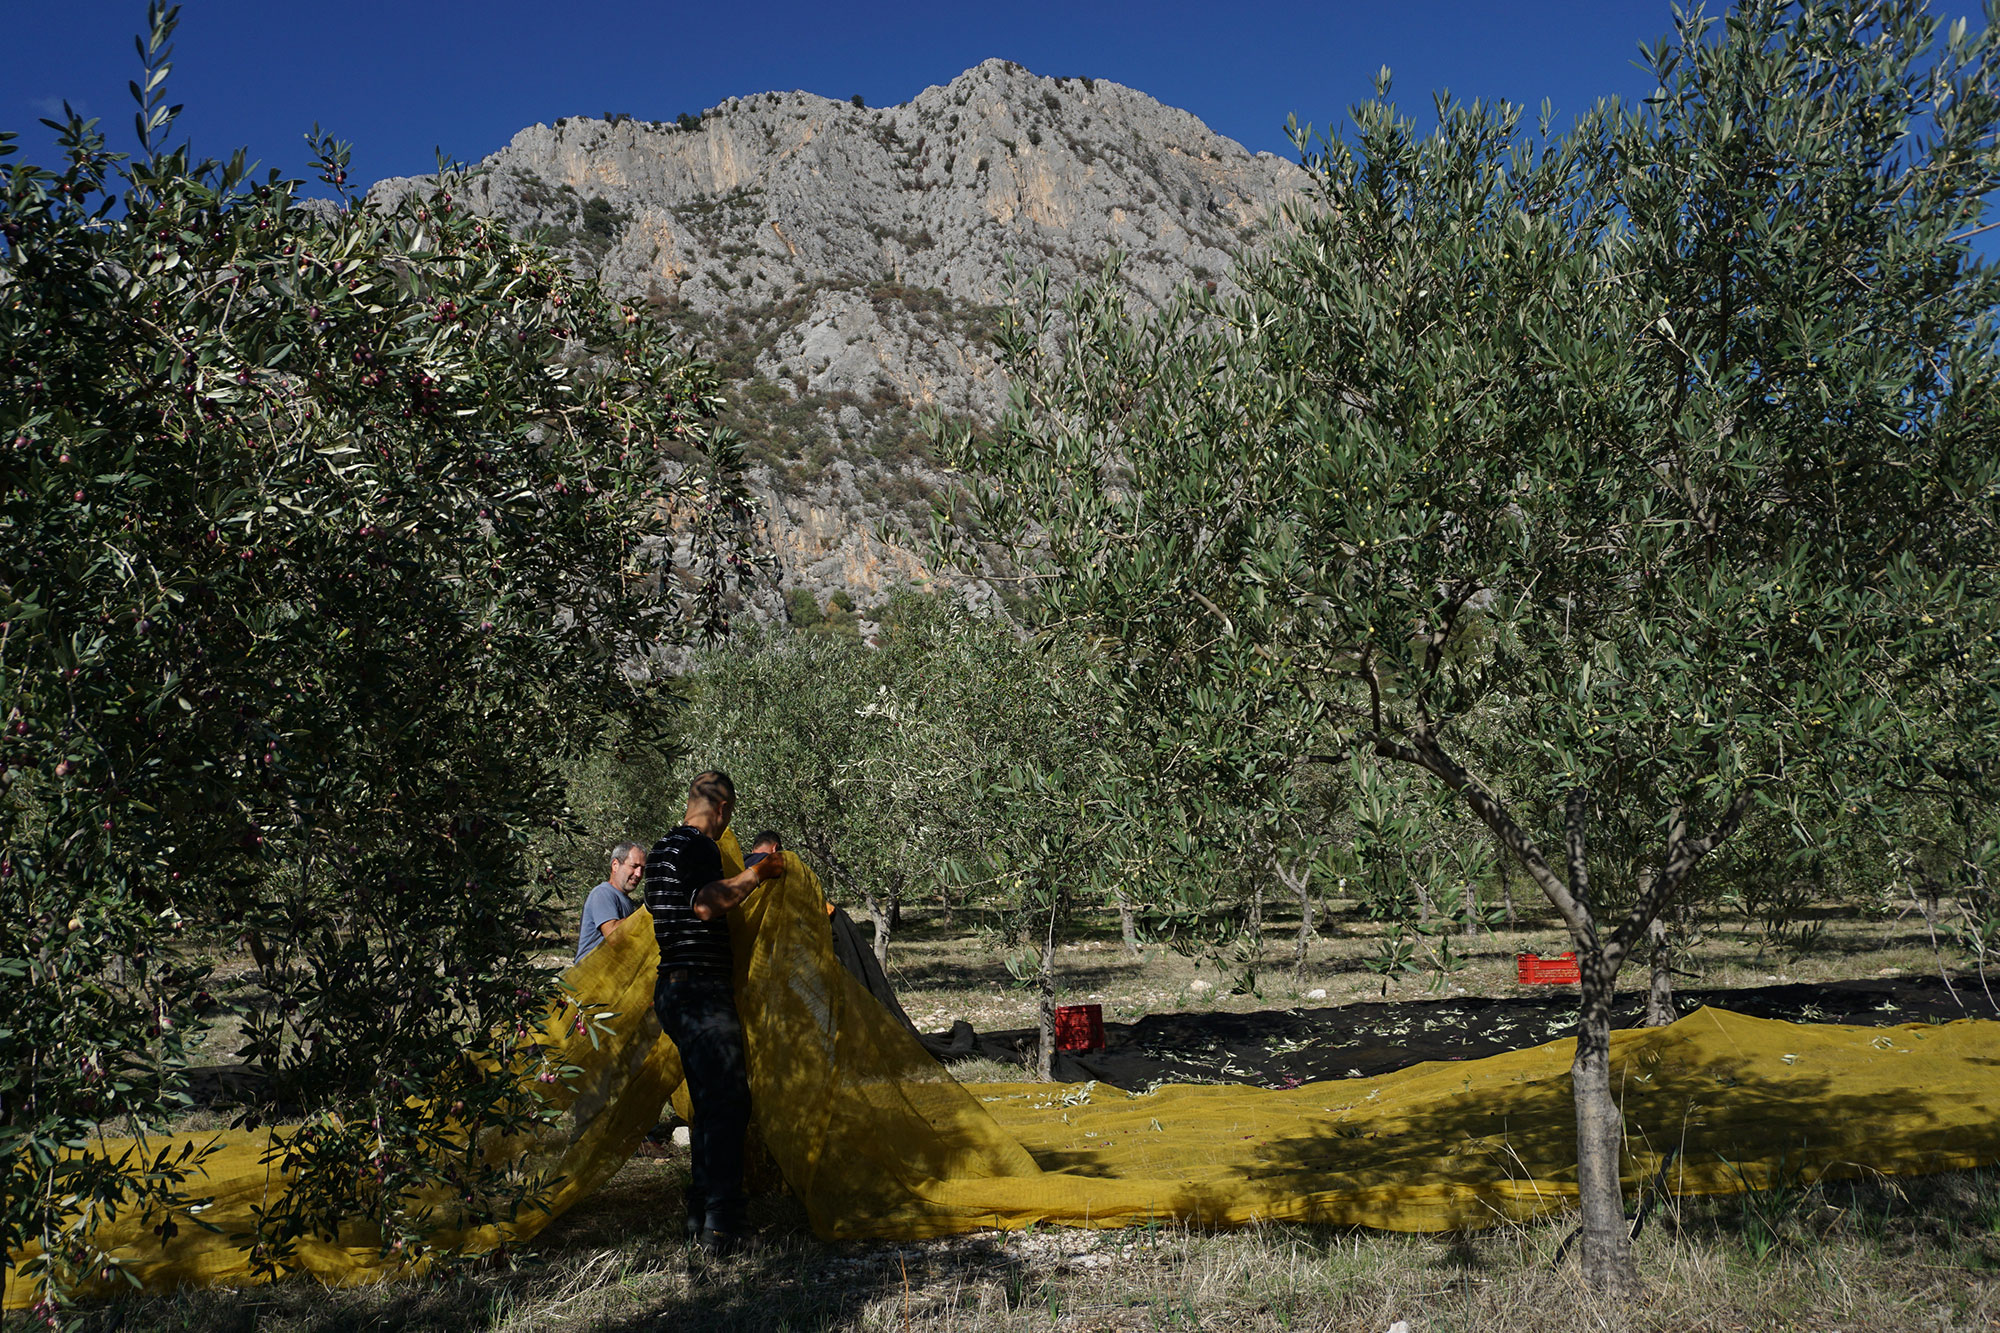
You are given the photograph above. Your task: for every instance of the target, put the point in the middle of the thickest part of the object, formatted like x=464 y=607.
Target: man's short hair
x=623 y=850
x=712 y=787
x=769 y=835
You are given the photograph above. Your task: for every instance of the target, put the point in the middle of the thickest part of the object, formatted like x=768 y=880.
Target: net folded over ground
x=878 y=1141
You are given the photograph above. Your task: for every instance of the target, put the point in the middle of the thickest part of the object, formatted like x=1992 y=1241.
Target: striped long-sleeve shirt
x=679 y=866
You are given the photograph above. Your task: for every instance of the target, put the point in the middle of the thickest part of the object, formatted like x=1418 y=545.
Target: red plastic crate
x=1534 y=970
x=1080 y=1027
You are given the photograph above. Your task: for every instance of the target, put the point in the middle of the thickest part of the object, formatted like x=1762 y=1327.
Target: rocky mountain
x=844 y=265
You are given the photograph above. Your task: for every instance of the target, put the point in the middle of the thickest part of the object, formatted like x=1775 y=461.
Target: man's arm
x=605 y=928
x=712 y=900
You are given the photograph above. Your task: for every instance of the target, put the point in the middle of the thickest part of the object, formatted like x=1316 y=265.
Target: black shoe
x=728 y=1244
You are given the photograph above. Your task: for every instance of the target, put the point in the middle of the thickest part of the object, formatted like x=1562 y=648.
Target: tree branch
x=1682 y=854
x=1374 y=679
x=1435 y=642
x=1228 y=626
x=1429 y=756
x=1576 y=807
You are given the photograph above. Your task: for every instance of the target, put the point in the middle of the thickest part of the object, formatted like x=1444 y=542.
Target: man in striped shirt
x=695 y=999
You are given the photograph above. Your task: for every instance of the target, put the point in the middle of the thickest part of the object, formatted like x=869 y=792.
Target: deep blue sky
x=402 y=79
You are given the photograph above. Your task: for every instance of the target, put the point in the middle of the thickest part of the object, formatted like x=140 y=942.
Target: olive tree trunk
x=883 y=927
x=1664 y=942
x=1606 y=1254
x=1128 y=924
x=1045 y=1009
x=1300 y=883
x=1660 y=1007
x=869 y=900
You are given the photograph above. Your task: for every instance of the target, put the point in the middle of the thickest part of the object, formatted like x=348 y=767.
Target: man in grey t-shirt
x=610 y=902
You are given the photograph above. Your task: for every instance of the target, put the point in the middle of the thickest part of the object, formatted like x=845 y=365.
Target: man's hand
x=715 y=899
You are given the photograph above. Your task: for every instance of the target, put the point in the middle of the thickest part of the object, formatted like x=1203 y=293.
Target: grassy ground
x=1889 y=1255
x=1911 y=1255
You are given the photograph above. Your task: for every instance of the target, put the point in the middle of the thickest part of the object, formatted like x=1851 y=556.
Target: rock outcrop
x=845 y=265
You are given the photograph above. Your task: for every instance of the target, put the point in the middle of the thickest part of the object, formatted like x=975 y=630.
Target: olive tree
x=956 y=758
x=1619 y=481
x=327 y=534
x=787 y=714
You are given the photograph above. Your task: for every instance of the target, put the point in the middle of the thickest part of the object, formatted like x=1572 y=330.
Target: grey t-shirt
x=605 y=904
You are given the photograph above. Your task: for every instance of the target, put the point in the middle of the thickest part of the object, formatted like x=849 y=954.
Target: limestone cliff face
x=844 y=264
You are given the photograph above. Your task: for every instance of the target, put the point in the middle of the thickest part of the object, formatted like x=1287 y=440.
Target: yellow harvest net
x=878 y=1141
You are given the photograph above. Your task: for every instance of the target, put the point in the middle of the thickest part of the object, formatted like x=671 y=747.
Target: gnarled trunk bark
x=1300 y=884
x=1660 y=1007
x=1600 y=1126
x=882 y=929
x=1606 y=1257
x=1128 y=925
x=880 y=918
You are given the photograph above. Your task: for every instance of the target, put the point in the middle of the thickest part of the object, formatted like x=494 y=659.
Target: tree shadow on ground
x=1758 y=1109
x=618 y=1261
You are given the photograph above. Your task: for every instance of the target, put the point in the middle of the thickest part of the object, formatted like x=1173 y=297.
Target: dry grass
x=1915 y=1255
x=1909 y=1255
